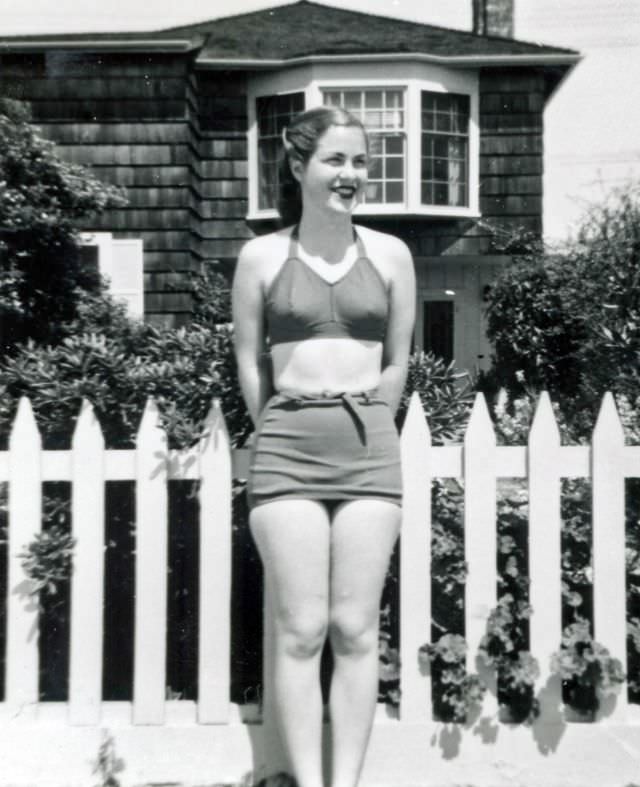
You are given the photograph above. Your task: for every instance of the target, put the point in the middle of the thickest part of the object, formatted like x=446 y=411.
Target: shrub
x=569 y=321
x=116 y=363
x=587 y=668
x=458 y=693
x=446 y=395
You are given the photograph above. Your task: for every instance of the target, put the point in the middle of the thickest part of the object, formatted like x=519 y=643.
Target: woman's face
x=333 y=179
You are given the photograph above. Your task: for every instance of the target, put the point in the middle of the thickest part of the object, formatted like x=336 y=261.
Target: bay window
x=422 y=123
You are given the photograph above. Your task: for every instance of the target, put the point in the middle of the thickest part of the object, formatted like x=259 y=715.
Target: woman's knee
x=353 y=632
x=302 y=632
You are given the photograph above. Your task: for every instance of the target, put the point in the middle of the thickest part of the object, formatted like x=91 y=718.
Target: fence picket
x=215 y=571
x=151 y=569
x=480 y=539
x=25 y=521
x=545 y=586
x=87 y=586
x=415 y=563
x=609 y=564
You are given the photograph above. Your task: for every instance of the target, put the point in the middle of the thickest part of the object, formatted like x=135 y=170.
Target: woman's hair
x=300 y=140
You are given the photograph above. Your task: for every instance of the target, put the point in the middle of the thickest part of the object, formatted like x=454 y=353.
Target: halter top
x=300 y=304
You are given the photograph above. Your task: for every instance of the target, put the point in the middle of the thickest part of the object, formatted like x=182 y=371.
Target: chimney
x=493 y=17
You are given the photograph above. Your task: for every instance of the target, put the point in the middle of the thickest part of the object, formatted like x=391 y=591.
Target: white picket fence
x=211 y=740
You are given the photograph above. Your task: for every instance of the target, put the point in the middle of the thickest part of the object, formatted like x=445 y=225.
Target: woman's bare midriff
x=327 y=365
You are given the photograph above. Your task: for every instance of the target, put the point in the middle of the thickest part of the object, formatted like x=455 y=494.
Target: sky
x=592 y=143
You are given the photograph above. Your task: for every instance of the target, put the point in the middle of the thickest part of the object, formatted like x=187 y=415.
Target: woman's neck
x=328 y=237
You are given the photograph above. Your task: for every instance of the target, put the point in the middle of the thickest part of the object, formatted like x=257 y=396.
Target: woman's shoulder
x=388 y=252
x=266 y=245
x=264 y=251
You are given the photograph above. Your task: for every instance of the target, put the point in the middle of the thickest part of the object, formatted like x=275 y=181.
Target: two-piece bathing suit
x=325 y=446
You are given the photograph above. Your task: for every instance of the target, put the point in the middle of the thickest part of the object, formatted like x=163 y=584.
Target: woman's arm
x=402 y=308
x=248 y=318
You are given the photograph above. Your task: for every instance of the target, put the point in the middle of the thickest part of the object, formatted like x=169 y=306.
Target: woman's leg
x=292 y=537
x=363 y=533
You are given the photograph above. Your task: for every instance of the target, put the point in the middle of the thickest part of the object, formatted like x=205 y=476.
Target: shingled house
x=188 y=120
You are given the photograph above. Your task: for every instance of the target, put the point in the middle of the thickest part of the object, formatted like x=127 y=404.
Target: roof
x=306 y=30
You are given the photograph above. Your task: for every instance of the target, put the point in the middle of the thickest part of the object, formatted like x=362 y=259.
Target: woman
x=335 y=307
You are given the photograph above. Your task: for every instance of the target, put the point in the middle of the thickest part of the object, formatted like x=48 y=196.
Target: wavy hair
x=300 y=140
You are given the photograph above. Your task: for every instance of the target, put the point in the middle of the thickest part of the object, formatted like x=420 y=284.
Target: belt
x=351 y=400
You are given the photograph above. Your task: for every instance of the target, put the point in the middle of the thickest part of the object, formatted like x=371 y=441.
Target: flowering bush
x=457 y=693
x=587 y=668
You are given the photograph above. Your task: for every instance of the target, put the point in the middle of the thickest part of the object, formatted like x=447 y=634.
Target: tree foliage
x=42 y=201
x=570 y=322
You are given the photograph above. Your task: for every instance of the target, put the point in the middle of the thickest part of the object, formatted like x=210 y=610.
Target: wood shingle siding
x=509 y=145
x=65 y=88
x=510 y=165
x=127 y=155
x=511 y=148
x=118 y=133
x=527 y=184
x=174 y=141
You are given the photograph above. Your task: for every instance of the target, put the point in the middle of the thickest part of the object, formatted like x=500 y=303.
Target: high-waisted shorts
x=325 y=447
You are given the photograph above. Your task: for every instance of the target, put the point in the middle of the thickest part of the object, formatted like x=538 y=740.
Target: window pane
x=373 y=99
x=440 y=169
x=374 y=192
x=455 y=148
x=394 y=99
x=441 y=194
x=428 y=101
x=428 y=121
x=427 y=169
x=394 y=145
x=440 y=145
x=373 y=119
x=375 y=168
x=393 y=119
x=442 y=123
x=352 y=100
x=395 y=168
x=375 y=145
x=395 y=192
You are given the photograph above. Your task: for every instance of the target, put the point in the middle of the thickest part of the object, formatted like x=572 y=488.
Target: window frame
x=412 y=78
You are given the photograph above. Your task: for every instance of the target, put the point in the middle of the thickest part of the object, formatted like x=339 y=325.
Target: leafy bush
x=47 y=560
x=42 y=201
x=587 y=668
x=446 y=395
x=569 y=321
x=116 y=363
x=458 y=693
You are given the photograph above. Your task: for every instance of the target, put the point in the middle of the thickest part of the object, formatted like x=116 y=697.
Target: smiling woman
x=323 y=316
